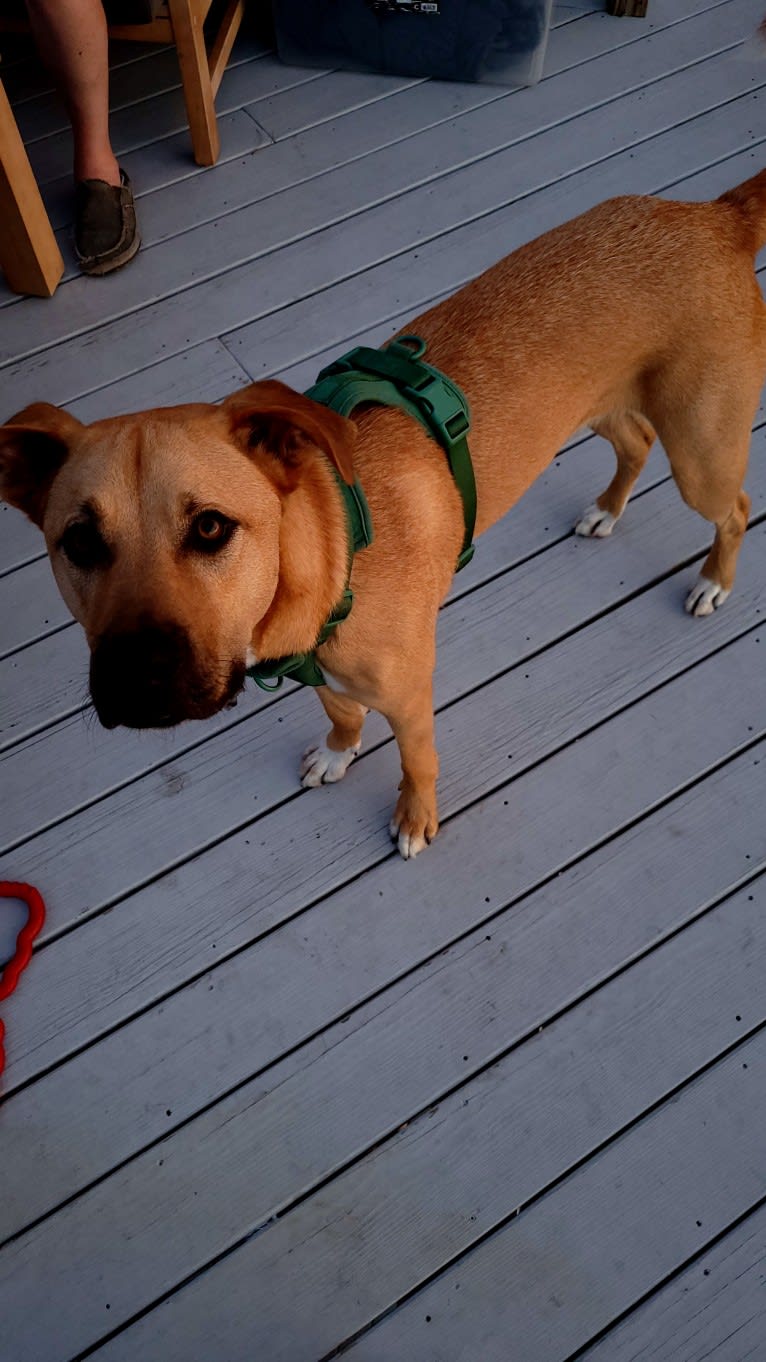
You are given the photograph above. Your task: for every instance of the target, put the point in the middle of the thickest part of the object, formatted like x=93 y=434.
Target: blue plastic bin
x=500 y=42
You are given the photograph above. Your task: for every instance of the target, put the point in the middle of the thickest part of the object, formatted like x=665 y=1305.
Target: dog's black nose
x=142 y=677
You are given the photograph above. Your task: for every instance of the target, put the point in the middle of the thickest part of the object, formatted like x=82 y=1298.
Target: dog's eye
x=83 y=546
x=210 y=531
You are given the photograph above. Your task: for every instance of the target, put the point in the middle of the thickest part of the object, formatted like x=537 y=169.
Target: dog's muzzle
x=148 y=677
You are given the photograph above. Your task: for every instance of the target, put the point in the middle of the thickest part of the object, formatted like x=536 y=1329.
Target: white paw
x=408 y=843
x=705 y=597
x=595 y=523
x=321 y=766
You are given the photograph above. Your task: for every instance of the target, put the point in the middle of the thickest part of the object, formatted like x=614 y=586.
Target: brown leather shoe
x=105 y=233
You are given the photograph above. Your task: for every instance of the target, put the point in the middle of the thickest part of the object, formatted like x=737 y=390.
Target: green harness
x=393 y=377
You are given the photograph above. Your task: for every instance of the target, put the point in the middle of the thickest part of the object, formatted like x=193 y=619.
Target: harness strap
x=398 y=377
x=303 y=667
x=394 y=377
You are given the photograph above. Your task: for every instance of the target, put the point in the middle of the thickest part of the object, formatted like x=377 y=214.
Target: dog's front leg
x=415 y=821
x=328 y=760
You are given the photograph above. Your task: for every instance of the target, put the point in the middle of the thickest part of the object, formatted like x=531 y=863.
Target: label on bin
x=404 y=6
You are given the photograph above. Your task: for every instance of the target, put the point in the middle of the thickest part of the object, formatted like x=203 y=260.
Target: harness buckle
x=456 y=426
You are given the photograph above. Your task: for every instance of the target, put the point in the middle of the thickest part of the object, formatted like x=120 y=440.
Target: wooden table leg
x=29 y=255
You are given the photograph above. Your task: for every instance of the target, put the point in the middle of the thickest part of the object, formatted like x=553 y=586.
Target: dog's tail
x=750 y=201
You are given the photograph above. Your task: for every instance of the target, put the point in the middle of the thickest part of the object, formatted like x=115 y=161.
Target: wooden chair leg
x=224 y=41
x=195 y=76
x=636 y=9
x=29 y=254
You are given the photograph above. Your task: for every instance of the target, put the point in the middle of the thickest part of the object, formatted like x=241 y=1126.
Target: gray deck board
x=434 y=1188
x=269 y=1091
x=487 y=992
x=588 y=1250
x=165 y=114
x=714 y=1311
x=19 y=540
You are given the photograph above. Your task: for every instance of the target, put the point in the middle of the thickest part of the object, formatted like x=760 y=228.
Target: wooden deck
x=273 y=1094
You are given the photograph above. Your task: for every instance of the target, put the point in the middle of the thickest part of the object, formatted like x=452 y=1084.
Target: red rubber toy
x=12 y=971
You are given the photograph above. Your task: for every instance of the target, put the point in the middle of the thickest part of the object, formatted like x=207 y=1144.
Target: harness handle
x=417 y=343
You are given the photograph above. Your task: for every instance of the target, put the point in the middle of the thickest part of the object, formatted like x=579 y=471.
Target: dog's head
x=163 y=529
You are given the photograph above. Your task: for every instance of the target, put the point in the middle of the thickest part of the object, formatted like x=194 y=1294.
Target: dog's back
x=641 y=304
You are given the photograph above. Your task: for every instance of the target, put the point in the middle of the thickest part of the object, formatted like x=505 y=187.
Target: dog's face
x=163 y=530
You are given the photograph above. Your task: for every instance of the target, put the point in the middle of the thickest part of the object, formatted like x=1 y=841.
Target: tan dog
x=189 y=539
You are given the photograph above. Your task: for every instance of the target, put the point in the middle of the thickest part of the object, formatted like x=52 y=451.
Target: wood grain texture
x=713 y=1311
x=604 y=1238
x=165 y=114
x=567 y=1080
x=19 y=538
x=29 y=256
x=394 y=1056
x=186 y=22
x=342 y=1259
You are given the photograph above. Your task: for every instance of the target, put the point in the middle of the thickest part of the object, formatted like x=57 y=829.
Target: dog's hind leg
x=632 y=437
x=708 y=447
x=328 y=760
x=717 y=576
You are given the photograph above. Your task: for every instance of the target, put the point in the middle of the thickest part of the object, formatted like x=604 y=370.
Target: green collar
x=394 y=377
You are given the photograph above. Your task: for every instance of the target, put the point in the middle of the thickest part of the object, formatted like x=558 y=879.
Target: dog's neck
x=313 y=564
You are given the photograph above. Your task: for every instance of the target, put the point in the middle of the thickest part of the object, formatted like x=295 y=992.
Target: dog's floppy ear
x=282 y=421
x=33 y=446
